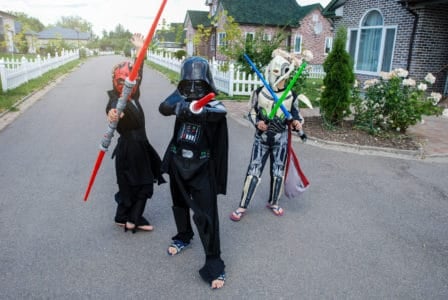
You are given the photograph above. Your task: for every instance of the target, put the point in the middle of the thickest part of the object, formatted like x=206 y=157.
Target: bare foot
x=172 y=251
x=218 y=282
x=146 y=227
x=130 y=226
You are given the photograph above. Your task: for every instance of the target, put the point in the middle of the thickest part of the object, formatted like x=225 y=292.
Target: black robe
x=137 y=162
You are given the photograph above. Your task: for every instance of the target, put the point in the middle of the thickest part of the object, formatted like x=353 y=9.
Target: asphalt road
x=369 y=227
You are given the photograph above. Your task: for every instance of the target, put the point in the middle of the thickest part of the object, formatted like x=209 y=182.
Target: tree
x=28 y=23
x=235 y=44
x=75 y=22
x=339 y=79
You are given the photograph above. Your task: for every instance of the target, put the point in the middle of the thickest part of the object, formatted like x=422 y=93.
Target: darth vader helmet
x=196 y=80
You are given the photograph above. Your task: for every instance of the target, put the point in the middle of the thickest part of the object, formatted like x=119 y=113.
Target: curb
x=358 y=149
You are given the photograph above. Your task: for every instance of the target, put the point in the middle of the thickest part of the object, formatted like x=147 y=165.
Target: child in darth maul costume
x=137 y=164
x=196 y=161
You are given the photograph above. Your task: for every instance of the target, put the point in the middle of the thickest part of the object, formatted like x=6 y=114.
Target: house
x=172 y=38
x=7 y=31
x=194 y=19
x=10 y=28
x=387 y=34
x=304 y=26
x=74 y=38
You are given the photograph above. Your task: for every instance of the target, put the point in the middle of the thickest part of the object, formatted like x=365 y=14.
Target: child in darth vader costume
x=196 y=161
x=137 y=164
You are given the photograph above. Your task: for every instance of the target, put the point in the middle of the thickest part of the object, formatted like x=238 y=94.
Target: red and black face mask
x=119 y=75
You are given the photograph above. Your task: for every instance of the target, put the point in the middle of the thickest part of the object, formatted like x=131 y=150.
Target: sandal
x=237 y=215
x=222 y=278
x=178 y=245
x=276 y=210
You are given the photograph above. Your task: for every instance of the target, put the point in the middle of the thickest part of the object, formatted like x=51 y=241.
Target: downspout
x=414 y=30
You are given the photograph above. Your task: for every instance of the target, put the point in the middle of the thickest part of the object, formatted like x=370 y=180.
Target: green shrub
x=180 y=54
x=336 y=97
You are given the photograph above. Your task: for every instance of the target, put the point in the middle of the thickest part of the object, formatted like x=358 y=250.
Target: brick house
x=305 y=26
x=387 y=34
x=193 y=19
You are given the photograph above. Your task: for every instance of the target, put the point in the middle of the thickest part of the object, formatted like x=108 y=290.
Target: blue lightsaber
x=268 y=87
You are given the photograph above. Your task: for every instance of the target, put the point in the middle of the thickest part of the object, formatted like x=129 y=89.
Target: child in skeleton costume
x=137 y=164
x=196 y=161
x=271 y=136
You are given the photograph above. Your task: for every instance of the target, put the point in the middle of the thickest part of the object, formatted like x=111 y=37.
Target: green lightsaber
x=288 y=88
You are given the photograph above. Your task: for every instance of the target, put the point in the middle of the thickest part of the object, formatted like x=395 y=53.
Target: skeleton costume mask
x=277 y=70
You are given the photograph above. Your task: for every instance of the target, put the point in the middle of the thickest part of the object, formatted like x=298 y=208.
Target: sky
x=107 y=14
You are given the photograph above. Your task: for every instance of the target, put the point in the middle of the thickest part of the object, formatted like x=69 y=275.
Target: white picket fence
x=232 y=82
x=15 y=72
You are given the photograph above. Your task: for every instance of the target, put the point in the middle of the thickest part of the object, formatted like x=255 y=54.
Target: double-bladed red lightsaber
x=127 y=89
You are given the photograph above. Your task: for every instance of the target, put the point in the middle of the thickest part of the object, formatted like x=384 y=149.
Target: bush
x=180 y=54
x=395 y=102
x=336 y=97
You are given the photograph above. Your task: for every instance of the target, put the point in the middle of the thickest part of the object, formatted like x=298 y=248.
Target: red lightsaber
x=196 y=106
x=127 y=89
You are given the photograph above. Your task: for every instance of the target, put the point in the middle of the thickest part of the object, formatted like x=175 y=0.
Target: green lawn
x=11 y=97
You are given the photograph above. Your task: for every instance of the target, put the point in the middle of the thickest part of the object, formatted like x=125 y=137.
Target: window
x=372 y=44
x=328 y=45
x=267 y=37
x=249 y=36
x=222 y=39
x=298 y=44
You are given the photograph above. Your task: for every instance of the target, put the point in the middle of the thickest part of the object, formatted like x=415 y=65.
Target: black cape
x=217 y=135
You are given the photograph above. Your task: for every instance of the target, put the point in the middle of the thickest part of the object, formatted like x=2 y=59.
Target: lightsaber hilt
x=197 y=105
x=121 y=105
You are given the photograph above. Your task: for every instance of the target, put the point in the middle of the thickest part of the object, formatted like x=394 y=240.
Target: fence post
x=24 y=67
x=39 y=64
x=231 y=75
x=3 y=75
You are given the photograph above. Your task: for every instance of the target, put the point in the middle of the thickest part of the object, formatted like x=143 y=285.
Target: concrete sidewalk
x=433 y=131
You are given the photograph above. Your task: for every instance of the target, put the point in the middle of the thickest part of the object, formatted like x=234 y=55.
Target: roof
x=329 y=10
x=266 y=12
x=7 y=14
x=425 y=2
x=198 y=18
x=64 y=33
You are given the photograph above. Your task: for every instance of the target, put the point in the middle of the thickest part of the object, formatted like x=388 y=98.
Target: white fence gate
x=231 y=82
x=16 y=72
